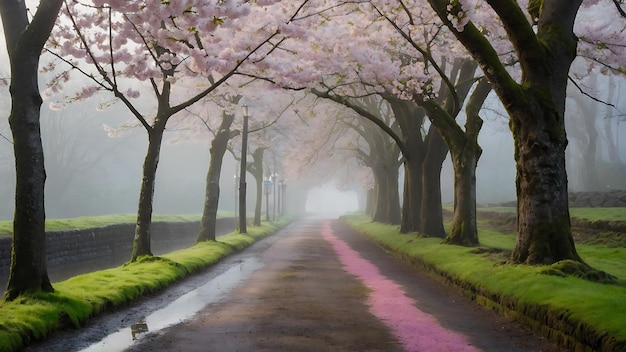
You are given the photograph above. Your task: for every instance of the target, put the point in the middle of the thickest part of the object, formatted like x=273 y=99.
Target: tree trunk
x=28 y=257
x=393 y=214
x=432 y=209
x=544 y=230
x=212 y=195
x=465 y=152
x=412 y=195
x=380 y=207
x=464 y=230
x=538 y=126
x=413 y=155
x=370 y=201
x=256 y=170
x=25 y=41
x=141 y=241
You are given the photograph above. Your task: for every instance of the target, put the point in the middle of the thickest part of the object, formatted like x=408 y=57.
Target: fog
x=91 y=173
x=328 y=201
x=495 y=174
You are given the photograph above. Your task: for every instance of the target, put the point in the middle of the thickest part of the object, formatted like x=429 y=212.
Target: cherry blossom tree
x=25 y=39
x=183 y=50
x=545 y=44
x=334 y=63
x=405 y=68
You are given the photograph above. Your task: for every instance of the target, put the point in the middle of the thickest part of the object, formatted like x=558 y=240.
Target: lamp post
x=236 y=179
x=283 y=194
x=267 y=187
x=274 y=178
x=242 y=172
x=280 y=199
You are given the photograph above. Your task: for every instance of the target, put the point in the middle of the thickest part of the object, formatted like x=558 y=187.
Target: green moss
x=580 y=311
x=579 y=270
x=37 y=315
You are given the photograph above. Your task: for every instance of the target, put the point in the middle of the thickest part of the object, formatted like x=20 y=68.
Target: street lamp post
x=283 y=194
x=267 y=184
x=242 y=172
x=274 y=178
x=280 y=199
x=236 y=179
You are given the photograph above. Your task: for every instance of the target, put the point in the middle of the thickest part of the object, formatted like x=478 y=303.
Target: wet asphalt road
x=484 y=329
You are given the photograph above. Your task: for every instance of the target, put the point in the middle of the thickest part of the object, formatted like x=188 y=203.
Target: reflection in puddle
x=138 y=328
x=179 y=310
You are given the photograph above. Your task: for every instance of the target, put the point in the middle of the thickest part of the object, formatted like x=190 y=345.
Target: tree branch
x=366 y=114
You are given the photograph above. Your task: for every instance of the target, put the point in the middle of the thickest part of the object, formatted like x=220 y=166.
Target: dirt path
x=304 y=300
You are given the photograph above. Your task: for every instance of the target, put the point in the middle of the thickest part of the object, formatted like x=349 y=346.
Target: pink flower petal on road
x=416 y=330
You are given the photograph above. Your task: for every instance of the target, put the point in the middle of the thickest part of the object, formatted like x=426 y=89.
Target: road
x=314 y=286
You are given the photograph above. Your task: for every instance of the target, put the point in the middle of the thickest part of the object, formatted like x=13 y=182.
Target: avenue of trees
x=378 y=88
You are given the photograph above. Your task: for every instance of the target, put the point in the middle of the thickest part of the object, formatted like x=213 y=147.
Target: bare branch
x=5 y=137
x=589 y=95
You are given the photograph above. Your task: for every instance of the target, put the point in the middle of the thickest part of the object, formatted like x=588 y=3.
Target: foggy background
x=90 y=173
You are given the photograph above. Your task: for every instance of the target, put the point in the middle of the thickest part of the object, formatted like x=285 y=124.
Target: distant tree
x=374 y=148
x=382 y=155
x=75 y=146
x=219 y=145
x=582 y=151
x=25 y=41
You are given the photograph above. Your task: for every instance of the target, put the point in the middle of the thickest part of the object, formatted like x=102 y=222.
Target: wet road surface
x=300 y=291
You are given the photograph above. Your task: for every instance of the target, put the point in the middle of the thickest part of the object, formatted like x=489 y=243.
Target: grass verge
x=573 y=312
x=35 y=316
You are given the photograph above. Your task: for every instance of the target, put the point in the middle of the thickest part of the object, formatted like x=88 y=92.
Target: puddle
x=179 y=310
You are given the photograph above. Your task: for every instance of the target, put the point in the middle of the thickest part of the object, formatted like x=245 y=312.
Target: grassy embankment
x=574 y=312
x=35 y=316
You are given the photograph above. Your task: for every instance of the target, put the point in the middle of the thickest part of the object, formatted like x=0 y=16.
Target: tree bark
x=219 y=144
x=25 y=41
x=380 y=208
x=141 y=241
x=412 y=195
x=410 y=120
x=393 y=214
x=464 y=230
x=544 y=229
x=431 y=215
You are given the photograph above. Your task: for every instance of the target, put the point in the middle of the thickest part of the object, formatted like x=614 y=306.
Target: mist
x=328 y=201
x=92 y=173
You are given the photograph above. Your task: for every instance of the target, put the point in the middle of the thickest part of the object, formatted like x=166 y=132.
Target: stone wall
x=73 y=252
x=590 y=199
x=613 y=198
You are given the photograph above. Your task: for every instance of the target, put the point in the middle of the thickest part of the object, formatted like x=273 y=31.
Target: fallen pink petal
x=416 y=330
